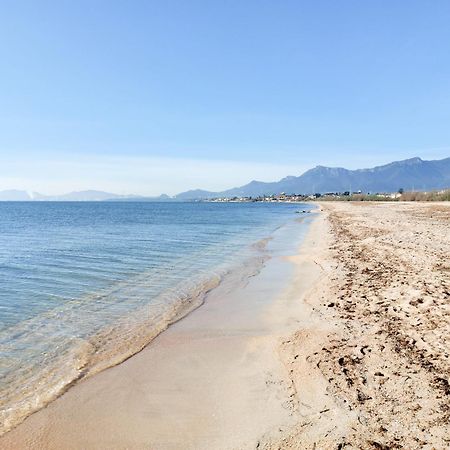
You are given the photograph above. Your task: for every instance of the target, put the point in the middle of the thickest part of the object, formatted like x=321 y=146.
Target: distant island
x=412 y=174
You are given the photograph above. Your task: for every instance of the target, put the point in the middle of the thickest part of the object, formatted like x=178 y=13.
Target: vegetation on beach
x=435 y=196
x=432 y=196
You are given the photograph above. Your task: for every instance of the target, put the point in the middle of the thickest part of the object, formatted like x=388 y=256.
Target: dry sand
x=387 y=292
x=349 y=351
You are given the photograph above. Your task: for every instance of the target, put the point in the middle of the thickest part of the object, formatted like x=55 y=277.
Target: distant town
x=283 y=197
x=440 y=195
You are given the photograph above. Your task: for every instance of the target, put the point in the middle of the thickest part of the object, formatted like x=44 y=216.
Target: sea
x=85 y=285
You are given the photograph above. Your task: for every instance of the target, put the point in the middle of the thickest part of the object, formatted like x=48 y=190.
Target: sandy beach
x=386 y=290
x=342 y=344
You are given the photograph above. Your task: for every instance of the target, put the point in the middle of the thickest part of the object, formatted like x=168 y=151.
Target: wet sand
x=212 y=380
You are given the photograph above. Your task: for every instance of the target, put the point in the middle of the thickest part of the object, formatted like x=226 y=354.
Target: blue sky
x=162 y=96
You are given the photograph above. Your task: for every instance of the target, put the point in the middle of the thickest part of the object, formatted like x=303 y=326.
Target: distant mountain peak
x=14 y=195
x=415 y=160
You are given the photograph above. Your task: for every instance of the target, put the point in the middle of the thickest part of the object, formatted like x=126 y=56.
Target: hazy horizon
x=32 y=192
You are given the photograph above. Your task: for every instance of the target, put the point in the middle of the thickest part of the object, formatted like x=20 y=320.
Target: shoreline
x=105 y=350
x=54 y=426
x=74 y=337
x=71 y=307
x=89 y=367
x=342 y=343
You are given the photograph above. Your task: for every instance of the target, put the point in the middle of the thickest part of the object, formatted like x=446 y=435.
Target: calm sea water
x=84 y=285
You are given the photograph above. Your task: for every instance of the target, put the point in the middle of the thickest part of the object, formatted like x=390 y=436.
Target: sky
x=146 y=97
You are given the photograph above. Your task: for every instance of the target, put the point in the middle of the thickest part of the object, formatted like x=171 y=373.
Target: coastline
x=192 y=378
x=341 y=344
x=101 y=351
x=46 y=354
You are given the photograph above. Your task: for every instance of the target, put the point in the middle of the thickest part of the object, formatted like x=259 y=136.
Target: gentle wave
x=73 y=303
x=66 y=361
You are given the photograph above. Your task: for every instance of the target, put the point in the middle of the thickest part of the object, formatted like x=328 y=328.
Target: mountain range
x=77 y=196
x=409 y=174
